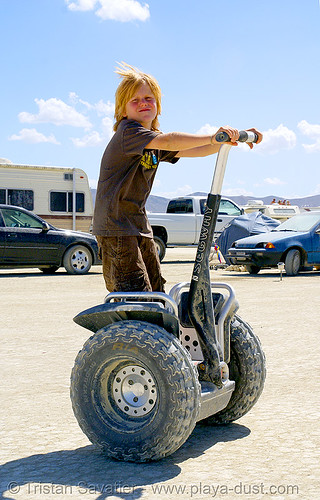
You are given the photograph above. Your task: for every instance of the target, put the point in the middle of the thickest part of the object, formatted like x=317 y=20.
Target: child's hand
x=259 y=134
x=233 y=133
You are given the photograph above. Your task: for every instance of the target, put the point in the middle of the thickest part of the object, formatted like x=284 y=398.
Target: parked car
x=295 y=242
x=26 y=240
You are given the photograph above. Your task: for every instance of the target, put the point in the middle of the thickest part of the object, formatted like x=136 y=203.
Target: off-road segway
x=159 y=363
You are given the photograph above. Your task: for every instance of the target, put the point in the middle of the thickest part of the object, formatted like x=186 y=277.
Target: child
x=129 y=257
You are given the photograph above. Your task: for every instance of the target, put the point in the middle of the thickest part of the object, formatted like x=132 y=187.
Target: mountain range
x=158 y=204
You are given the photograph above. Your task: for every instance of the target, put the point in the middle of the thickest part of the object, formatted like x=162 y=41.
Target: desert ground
x=271 y=452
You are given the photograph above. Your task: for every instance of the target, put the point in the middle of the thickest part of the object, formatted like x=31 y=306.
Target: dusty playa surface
x=272 y=452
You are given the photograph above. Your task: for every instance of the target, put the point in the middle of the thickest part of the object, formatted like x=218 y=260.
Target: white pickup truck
x=181 y=224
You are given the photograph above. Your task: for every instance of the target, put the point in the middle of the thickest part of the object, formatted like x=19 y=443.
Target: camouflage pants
x=130 y=264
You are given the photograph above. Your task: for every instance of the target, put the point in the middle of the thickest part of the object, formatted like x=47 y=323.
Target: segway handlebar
x=223 y=137
x=244 y=136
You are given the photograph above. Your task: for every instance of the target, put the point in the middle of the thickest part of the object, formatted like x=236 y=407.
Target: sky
x=244 y=64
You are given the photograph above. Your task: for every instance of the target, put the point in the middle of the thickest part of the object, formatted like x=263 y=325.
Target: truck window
x=203 y=204
x=184 y=206
x=61 y=201
x=21 y=198
x=228 y=208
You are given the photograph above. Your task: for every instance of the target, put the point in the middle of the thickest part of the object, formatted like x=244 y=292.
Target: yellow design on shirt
x=149 y=160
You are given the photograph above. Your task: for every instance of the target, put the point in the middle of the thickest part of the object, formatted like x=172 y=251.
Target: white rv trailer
x=274 y=210
x=59 y=195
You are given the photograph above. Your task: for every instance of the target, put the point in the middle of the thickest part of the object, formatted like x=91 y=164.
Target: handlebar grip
x=244 y=136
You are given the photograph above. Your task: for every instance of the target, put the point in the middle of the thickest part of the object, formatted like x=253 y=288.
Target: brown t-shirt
x=126 y=176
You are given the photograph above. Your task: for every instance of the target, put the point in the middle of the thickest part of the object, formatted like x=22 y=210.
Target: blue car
x=295 y=242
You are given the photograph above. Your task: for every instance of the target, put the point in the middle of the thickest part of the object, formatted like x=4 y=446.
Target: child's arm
x=191 y=144
x=194 y=145
x=200 y=151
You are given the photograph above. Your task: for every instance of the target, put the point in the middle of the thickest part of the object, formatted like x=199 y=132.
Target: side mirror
x=45 y=227
x=317 y=230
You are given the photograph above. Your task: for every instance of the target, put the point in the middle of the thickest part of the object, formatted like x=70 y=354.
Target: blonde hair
x=132 y=78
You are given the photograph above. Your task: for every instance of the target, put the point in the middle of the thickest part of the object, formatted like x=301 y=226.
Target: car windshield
x=300 y=223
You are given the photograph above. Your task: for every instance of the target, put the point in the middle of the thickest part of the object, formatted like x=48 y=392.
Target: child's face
x=142 y=107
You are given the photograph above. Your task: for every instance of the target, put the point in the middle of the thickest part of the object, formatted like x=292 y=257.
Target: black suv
x=26 y=240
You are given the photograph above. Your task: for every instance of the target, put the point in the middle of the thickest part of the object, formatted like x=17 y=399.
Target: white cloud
x=207 y=129
x=237 y=192
x=95 y=138
x=90 y=140
x=57 y=112
x=32 y=136
x=312 y=131
x=116 y=10
x=273 y=181
x=123 y=10
x=281 y=138
x=312 y=148
x=102 y=108
x=180 y=191
x=275 y=140
x=82 y=5
x=107 y=127
x=93 y=183
x=75 y=99
x=309 y=129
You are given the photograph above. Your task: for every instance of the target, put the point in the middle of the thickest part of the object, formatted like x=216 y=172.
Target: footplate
x=213 y=399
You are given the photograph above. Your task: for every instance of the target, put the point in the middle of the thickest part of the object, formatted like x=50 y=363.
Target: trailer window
x=21 y=198
x=3 y=196
x=58 y=201
x=63 y=201
x=79 y=202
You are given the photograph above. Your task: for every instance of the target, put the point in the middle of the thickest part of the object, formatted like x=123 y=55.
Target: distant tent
x=243 y=226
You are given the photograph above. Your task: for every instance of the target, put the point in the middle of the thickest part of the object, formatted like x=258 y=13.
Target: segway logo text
x=125 y=347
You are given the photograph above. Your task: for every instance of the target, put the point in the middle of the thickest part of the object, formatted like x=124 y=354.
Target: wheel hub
x=79 y=260
x=134 y=390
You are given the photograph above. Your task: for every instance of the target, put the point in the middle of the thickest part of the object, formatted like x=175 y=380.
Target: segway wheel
x=135 y=392
x=247 y=369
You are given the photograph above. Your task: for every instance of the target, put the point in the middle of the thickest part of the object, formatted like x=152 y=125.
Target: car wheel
x=77 y=260
x=161 y=247
x=247 y=368
x=135 y=391
x=292 y=262
x=252 y=269
x=49 y=270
